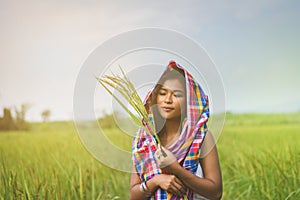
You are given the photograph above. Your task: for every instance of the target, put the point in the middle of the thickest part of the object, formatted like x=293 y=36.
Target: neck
x=170 y=132
x=172 y=127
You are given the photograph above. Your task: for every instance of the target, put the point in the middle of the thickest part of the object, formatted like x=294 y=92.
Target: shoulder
x=208 y=144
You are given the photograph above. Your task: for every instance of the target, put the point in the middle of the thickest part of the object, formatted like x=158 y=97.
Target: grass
x=49 y=162
x=259 y=156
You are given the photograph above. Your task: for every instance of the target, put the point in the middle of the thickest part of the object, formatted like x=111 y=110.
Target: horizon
x=128 y=117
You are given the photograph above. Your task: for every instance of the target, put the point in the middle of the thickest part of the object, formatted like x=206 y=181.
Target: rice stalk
x=80 y=182
x=126 y=88
x=93 y=180
x=25 y=187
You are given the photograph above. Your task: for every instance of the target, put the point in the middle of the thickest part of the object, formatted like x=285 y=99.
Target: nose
x=168 y=98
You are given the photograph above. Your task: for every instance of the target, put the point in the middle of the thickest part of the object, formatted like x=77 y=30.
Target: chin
x=168 y=116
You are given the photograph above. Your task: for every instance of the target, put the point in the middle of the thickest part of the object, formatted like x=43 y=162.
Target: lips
x=167 y=109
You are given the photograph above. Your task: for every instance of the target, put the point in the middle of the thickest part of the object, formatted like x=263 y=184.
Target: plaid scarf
x=186 y=149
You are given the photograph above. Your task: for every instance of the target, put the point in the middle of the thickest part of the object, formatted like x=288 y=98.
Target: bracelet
x=143 y=187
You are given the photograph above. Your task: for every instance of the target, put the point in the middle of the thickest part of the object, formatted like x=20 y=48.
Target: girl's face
x=171 y=99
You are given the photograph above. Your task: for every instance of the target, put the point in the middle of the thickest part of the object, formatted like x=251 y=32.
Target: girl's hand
x=171 y=184
x=164 y=157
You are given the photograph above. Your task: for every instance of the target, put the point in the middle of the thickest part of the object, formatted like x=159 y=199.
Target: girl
x=186 y=163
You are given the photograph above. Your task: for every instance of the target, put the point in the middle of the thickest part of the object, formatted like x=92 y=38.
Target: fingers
x=177 y=188
x=179 y=185
x=175 y=192
x=157 y=154
x=171 y=184
x=164 y=157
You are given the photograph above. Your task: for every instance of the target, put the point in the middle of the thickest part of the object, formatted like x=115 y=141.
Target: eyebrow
x=162 y=88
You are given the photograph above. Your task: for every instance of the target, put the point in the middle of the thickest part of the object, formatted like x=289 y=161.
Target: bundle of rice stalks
x=125 y=87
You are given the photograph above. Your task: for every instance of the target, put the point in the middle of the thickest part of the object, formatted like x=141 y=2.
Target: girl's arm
x=211 y=185
x=167 y=182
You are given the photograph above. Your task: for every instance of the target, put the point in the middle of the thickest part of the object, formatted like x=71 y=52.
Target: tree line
x=14 y=119
x=18 y=122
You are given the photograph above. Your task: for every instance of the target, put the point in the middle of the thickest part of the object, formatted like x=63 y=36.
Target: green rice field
x=259 y=156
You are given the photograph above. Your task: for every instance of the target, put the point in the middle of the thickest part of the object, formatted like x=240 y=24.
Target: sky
x=255 y=46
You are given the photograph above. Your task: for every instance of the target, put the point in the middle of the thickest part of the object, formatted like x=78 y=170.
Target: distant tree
x=46 y=115
x=21 y=113
x=21 y=116
x=7 y=121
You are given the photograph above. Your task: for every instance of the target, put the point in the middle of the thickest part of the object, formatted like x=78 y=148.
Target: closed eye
x=162 y=91
x=178 y=95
